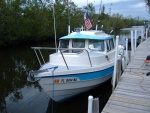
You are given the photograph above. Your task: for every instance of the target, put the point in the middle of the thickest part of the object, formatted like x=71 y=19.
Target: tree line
x=33 y=20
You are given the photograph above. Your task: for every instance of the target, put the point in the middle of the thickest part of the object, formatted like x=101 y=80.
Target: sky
x=132 y=8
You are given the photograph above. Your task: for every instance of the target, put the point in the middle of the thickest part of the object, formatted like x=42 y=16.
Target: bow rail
x=61 y=52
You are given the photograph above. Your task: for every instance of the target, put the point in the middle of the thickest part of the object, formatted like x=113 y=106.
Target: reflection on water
x=15 y=63
x=79 y=104
x=19 y=96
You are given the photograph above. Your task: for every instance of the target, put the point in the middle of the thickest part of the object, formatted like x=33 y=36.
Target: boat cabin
x=89 y=40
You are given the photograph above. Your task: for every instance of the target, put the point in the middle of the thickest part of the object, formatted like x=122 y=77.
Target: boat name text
x=66 y=80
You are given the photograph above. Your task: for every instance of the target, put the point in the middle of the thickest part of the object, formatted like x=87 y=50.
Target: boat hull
x=60 y=88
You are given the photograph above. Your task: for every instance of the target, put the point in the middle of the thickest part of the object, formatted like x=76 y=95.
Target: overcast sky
x=134 y=8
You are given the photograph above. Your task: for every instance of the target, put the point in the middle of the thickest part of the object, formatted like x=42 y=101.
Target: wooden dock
x=132 y=94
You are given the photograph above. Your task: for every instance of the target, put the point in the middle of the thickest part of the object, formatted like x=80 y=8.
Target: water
x=17 y=95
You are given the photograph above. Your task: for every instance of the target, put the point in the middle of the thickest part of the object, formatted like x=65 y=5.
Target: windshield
x=78 y=43
x=64 y=44
x=96 y=45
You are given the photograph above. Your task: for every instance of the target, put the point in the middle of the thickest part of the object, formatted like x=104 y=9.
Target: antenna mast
x=68 y=16
x=54 y=24
x=100 y=10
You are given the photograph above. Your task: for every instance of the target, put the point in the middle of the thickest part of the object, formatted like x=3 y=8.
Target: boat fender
x=123 y=63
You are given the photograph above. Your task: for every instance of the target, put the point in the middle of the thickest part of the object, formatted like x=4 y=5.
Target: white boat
x=84 y=60
x=138 y=33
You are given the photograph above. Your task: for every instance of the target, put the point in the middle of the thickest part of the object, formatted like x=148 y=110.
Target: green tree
x=148 y=4
x=31 y=20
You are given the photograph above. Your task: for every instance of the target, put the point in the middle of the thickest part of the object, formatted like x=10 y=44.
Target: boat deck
x=132 y=94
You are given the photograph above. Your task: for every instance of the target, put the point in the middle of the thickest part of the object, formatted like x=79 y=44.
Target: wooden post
x=96 y=105
x=132 y=47
x=142 y=34
x=127 y=55
x=118 y=72
x=135 y=40
x=146 y=33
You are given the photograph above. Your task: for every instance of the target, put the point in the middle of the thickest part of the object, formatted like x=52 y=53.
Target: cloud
x=113 y=1
x=138 y=5
x=135 y=8
x=81 y=3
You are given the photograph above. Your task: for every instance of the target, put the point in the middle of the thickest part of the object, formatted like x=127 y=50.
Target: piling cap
x=90 y=97
x=117 y=36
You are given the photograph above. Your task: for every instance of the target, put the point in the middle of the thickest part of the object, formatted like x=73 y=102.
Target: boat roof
x=91 y=35
x=139 y=28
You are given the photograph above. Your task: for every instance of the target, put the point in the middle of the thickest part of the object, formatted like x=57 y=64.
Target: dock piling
x=115 y=64
x=90 y=104
x=93 y=105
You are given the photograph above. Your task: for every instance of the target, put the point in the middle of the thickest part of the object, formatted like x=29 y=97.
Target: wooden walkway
x=132 y=94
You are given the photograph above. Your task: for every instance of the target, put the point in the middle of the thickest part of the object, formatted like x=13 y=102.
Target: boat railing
x=61 y=52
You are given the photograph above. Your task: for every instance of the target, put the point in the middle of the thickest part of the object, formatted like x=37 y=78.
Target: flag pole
x=85 y=13
x=100 y=10
x=87 y=3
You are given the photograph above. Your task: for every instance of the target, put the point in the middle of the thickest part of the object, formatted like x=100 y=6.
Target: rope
x=140 y=75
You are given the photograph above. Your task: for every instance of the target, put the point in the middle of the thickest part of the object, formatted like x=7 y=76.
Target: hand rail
x=64 y=59
x=60 y=49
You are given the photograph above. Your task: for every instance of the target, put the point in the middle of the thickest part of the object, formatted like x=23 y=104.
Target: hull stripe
x=86 y=76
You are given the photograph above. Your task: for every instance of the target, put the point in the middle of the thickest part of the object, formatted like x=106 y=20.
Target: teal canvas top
x=90 y=37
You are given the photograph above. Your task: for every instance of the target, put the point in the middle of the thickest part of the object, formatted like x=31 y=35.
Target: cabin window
x=96 y=45
x=78 y=43
x=64 y=44
x=110 y=44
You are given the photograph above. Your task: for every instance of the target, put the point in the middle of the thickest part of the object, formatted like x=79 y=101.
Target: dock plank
x=130 y=99
x=125 y=107
x=132 y=93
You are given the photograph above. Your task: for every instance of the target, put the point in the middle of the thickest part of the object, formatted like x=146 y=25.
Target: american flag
x=88 y=23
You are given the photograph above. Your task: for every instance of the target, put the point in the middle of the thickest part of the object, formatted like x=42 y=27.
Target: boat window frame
x=110 y=44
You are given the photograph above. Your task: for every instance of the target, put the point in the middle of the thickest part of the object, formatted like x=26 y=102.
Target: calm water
x=17 y=95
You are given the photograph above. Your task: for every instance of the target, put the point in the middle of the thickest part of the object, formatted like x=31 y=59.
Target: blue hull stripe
x=87 y=76
x=94 y=75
